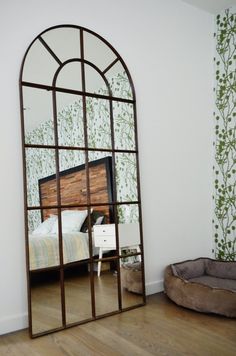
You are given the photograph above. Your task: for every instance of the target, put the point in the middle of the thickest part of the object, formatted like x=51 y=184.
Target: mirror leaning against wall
x=84 y=243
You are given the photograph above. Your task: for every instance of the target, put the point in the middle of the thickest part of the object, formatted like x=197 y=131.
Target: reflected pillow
x=97 y=218
x=46 y=226
x=72 y=220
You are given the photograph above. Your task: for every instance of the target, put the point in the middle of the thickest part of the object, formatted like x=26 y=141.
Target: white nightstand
x=105 y=238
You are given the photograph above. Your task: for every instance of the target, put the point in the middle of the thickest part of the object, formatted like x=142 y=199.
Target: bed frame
x=73 y=189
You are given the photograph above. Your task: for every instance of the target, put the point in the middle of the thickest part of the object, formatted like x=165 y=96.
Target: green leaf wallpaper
x=224 y=221
x=41 y=162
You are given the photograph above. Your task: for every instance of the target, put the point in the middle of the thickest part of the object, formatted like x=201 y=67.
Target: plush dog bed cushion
x=215 y=282
x=189 y=269
x=221 y=269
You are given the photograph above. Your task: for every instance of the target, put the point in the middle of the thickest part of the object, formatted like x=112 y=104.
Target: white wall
x=168 y=47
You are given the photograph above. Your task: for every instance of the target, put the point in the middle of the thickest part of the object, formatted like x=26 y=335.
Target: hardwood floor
x=159 y=328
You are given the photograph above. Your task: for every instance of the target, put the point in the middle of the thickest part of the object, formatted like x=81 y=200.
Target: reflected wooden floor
x=46 y=300
x=159 y=328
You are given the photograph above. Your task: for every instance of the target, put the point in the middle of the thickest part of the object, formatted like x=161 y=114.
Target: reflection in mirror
x=75 y=242
x=40 y=163
x=44 y=277
x=130 y=262
x=70 y=120
x=69 y=76
x=39 y=65
x=100 y=177
x=124 y=129
x=106 y=288
x=126 y=177
x=94 y=82
x=45 y=301
x=131 y=283
x=98 y=123
x=38 y=116
x=119 y=82
x=129 y=238
x=73 y=185
x=97 y=52
x=43 y=239
x=64 y=42
x=77 y=293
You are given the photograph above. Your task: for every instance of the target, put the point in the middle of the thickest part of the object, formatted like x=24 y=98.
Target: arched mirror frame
x=113 y=151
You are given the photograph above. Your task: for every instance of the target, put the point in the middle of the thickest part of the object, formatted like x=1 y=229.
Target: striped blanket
x=44 y=250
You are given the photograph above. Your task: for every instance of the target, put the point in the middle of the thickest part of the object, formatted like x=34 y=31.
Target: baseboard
x=13 y=323
x=154 y=287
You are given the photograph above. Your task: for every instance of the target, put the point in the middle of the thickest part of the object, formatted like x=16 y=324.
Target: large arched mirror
x=84 y=241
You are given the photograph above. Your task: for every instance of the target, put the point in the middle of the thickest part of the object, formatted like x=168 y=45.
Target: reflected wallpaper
x=41 y=162
x=224 y=221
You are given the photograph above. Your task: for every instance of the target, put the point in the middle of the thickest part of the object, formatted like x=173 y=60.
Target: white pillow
x=72 y=220
x=46 y=226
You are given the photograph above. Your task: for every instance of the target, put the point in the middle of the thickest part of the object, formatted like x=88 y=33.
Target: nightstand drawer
x=105 y=241
x=106 y=229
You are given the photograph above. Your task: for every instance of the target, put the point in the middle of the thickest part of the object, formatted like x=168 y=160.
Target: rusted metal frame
x=63 y=308
x=107 y=259
x=62 y=206
x=49 y=50
x=79 y=148
x=110 y=65
x=93 y=95
x=93 y=306
x=115 y=200
x=25 y=212
x=75 y=92
x=139 y=199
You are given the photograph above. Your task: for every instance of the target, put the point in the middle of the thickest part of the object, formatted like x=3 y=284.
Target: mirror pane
x=38 y=116
x=98 y=123
x=128 y=213
x=126 y=177
x=100 y=177
x=70 y=120
x=43 y=239
x=73 y=179
x=64 y=42
x=69 y=76
x=45 y=301
x=75 y=242
x=119 y=81
x=94 y=81
x=39 y=66
x=106 y=288
x=104 y=238
x=131 y=283
x=124 y=129
x=129 y=238
x=40 y=165
x=97 y=52
x=77 y=293
x=129 y=231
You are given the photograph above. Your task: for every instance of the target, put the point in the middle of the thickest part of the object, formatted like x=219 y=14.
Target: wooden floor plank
x=159 y=328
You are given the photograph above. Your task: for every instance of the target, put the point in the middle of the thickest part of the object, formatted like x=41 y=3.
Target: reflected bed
x=44 y=249
x=43 y=241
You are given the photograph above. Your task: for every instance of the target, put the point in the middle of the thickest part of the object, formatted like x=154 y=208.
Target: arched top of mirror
x=55 y=57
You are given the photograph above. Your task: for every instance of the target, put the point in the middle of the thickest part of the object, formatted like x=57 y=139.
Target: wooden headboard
x=73 y=188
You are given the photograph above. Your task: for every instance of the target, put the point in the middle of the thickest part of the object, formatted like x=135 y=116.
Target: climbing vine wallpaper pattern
x=41 y=162
x=224 y=221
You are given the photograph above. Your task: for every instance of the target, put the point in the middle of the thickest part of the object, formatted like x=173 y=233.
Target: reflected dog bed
x=204 y=285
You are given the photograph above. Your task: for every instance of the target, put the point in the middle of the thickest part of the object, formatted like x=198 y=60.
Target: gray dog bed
x=204 y=285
